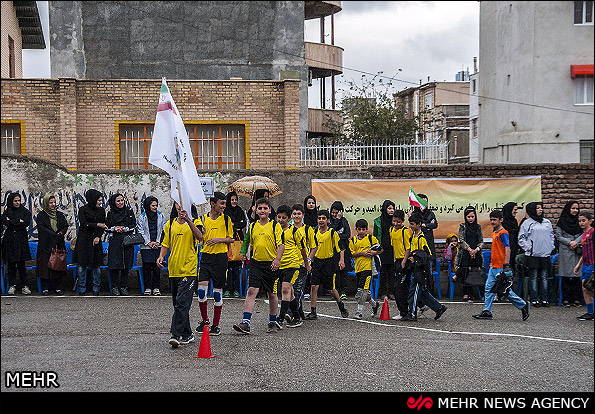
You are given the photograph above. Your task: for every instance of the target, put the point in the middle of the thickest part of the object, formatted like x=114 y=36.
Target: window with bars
x=214 y=146
x=11 y=138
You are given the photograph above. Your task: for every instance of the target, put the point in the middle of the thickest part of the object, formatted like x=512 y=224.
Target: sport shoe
x=272 y=327
x=25 y=290
x=156 y=292
x=242 y=327
x=188 y=340
x=174 y=342
x=440 y=311
x=115 y=292
x=311 y=316
x=294 y=323
x=375 y=308
x=201 y=326
x=408 y=318
x=358 y=315
x=525 y=311
x=344 y=313
x=483 y=315
x=214 y=330
x=545 y=304
x=585 y=317
x=397 y=317
x=422 y=310
x=124 y=291
x=12 y=290
x=147 y=292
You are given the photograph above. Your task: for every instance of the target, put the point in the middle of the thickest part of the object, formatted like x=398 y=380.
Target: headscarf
x=510 y=222
x=151 y=217
x=569 y=222
x=92 y=196
x=531 y=210
x=173 y=213
x=236 y=214
x=471 y=226
x=386 y=221
x=15 y=214
x=337 y=205
x=119 y=214
x=310 y=216
x=51 y=212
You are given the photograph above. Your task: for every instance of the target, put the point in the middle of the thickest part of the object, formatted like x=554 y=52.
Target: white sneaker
x=156 y=292
x=147 y=291
x=12 y=290
x=26 y=290
x=397 y=317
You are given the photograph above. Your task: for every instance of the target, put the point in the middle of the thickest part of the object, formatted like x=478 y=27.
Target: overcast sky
x=422 y=38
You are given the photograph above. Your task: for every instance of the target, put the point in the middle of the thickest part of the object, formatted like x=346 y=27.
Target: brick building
x=99 y=124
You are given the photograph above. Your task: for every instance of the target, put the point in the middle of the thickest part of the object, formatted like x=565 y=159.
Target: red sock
x=203 y=310
x=217 y=315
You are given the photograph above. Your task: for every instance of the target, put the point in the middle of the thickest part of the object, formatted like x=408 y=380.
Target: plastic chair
x=451 y=286
x=3 y=287
x=436 y=275
x=105 y=246
x=33 y=251
x=70 y=265
x=138 y=268
x=558 y=279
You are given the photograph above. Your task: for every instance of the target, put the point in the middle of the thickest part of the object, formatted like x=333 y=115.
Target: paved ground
x=120 y=344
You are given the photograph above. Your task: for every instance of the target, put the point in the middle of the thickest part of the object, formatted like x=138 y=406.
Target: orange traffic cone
x=384 y=315
x=204 y=350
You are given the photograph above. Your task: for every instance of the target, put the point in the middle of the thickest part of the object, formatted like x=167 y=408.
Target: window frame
x=583 y=80
x=21 y=123
x=584 y=13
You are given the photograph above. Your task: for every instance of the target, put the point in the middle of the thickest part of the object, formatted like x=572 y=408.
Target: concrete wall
x=526 y=49
x=10 y=27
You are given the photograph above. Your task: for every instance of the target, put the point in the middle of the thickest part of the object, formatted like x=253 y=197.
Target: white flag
x=170 y=151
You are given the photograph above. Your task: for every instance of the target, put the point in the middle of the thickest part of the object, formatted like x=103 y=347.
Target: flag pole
x=179 y=169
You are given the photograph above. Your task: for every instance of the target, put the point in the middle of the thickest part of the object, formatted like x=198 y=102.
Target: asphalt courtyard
x=119 y=344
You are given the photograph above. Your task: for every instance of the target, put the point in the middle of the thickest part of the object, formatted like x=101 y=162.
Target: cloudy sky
x=422 y=38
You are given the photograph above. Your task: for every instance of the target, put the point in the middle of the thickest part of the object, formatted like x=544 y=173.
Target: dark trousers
x=151 y=275
x=11 y=271
x=119 y=278
x=402 y=282
x=572 y=289
x=182 y=292
x=387 y=279
x=420 y=293
x=234 y=274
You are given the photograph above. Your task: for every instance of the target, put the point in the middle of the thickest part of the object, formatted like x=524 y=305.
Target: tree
x=370 y=115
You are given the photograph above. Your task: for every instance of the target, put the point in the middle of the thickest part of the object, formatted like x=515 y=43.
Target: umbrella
x=247 y=186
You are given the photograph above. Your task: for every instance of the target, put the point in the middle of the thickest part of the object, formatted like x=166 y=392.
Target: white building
x=535 y=97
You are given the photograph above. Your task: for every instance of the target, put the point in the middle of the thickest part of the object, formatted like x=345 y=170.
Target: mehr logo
x=420 y=402
x=31 y=379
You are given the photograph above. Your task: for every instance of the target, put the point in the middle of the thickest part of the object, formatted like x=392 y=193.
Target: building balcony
x=317 y=118
x=323 y=59
x=316 y=9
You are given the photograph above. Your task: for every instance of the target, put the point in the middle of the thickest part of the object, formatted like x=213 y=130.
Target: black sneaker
x=174 y=342
x=311 y=316
x=585 y=317
x=525 y=311
x=483 y=315
x=294 y=323
x=186 y=341
x=201 y=326
x=344 y=313
x=408 y=318
x=375 y=308
x=214 y=330
x=242 y=327
x=272 y=327
x=440 y=311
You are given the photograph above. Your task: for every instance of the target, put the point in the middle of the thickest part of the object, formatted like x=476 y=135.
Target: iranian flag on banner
x=170 y=151
x=416 y=201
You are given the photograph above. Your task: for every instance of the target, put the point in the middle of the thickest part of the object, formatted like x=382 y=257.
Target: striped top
x=587 y=245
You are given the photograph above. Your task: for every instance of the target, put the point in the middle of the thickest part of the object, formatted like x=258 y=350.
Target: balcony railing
x=373 y=155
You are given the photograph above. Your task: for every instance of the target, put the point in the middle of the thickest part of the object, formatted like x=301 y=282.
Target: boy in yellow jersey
x=400 y=241
x=294 y=256
x=325 y=263
x=307 y=232
x=362 y=251
x=418 y=256
x=265 y=237
x=217 y=231
x=181 y=234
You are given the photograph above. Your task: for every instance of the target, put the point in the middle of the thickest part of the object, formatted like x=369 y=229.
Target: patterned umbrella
x=246 y=186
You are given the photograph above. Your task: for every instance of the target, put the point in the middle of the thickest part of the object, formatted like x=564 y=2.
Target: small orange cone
x=204 y=350
x=384 y=315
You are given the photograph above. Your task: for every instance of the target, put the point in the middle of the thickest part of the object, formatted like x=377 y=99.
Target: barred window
x=214 y=146
x=11 y=138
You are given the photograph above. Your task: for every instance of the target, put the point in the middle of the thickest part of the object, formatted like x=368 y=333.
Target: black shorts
x=324 y=271
x=290 y=275
x=261 y=276
x=364 y=279
x=213 y=266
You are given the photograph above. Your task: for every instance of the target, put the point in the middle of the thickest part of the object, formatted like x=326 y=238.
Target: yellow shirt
x=294 y=243
x=309 y=239
x=264 y=241
x=183 y=257
x=357 y=245
x=214 y=229
x=327 y=246
x=420 y=243
x=399 y=240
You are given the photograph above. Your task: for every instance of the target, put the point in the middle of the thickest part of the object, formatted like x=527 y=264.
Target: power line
x=344 y=68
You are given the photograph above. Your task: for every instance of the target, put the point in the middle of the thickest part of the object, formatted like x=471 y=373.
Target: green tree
x=369 y=115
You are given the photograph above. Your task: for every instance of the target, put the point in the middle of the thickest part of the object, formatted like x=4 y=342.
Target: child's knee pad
x=218 y=296
x=202 y=295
